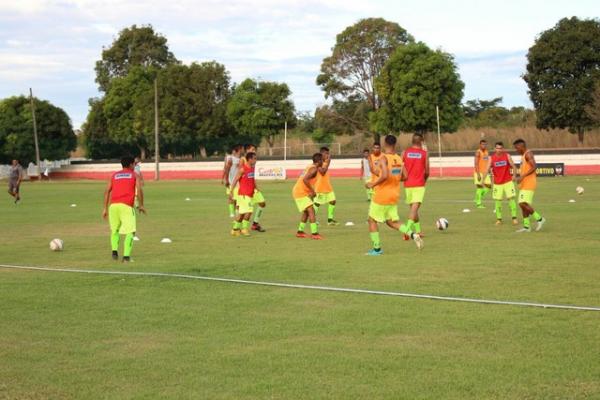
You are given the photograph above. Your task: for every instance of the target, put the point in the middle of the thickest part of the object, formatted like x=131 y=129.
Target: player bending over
x=119 y=198
x=527 y=181
x=482 y=159
x=501 y=165
x=384 y=204
x=14 y=180
x=230 y=170
x=258 y=199
x=304 y=193
x=365 y=171
x=246 y=189
x=416 y=166
x=325 y=193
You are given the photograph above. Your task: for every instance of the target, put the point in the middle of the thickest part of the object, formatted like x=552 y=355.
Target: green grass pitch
x=77 y=336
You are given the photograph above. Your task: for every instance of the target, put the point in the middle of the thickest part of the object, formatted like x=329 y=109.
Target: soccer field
x=86 y=336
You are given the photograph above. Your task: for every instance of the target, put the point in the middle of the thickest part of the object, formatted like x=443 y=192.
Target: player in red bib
x=501 y=165
x=119 y=200
x=246 y=190
x=416 y=170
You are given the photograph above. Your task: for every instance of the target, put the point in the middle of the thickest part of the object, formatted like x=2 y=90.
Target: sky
x=52 y=45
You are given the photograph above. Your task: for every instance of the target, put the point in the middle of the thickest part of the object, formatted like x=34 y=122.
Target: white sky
x=52 y=45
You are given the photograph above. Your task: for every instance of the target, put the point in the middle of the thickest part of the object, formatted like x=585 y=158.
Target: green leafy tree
x=472 y=108
x=55 y=134
x=128 y=112
x=135 y=46
x=563 y=67
x=344 y=116
x=260 y=109
x=593 y=109
x=357 y=58
x=412 y=83
x=96 y=140
x=192 y=107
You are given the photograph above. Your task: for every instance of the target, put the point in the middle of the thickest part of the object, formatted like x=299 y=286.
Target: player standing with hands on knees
x=304 y=193
x=119 y=200
x=527 y=181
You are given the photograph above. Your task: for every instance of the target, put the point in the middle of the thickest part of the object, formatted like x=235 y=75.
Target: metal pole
x=35 y=135
x=285 y=141
x=156 y=152
x=437 y=112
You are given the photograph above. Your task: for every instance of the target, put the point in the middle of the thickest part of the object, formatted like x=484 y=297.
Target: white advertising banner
x=269 y=173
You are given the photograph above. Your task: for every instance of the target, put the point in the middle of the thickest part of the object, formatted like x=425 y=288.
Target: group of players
x=383 y=169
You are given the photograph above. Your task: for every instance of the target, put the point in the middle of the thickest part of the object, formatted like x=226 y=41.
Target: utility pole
x=437 y=112
x=35 y=135
x=156 y=152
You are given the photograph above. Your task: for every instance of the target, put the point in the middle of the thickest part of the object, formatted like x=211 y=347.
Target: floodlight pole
x=156 y=152
x=35 y=135
x=437 y=112
x=285 y=141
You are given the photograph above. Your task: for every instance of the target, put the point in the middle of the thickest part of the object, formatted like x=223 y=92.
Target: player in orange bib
x=384 y=204
x=324 y=190
x=482 y=159
x=527 y=181
x=374 y=159
x=304 y=193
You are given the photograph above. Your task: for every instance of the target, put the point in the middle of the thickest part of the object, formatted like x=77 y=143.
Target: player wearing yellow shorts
x=416 y=167
x=374 y=159
x=482 y=159
x=258 y=200
x=501 y=165
x=230 y=170
x=325 y=193
x=304 y=193
x=527 y=181
x=384 y=204
x=119 y=200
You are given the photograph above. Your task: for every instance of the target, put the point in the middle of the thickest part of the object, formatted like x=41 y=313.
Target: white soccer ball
x=56 y=245
x=579 y=190
x=442 y=224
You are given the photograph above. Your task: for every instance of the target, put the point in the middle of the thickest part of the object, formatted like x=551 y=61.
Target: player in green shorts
x=527 y=181
x=416 y=170
x=258 y=200
x=501 y=165
x=119 y=200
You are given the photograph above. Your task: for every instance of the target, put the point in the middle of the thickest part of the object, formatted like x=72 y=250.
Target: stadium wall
x=455 y=167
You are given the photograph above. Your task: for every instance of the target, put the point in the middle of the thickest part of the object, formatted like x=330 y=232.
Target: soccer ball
x=442 y=224
x=56 y=245
x=579 y=190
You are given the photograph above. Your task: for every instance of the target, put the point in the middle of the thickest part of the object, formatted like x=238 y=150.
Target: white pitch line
x=310 y=287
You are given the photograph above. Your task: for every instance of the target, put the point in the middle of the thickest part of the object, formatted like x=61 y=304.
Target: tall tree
x=357 y=58
x=593 y=109
x=473 y=108
x=562 y=69
x=55 y=133
x=193 y=104
x=260 y=109
x=414 y=80
x=135 y=46
x=127 y=110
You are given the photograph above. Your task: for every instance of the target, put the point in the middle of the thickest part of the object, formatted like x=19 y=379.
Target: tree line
x=378 y=79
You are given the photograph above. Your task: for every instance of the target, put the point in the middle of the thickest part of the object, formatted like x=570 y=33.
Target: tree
x=96 y=140
x=344 y=117
x=472 y=108
x=135 y=46
x=357 y=58
x=562 y=69
x=193 y=105
x=593 y=110
x=129 y=118
x=55 y=133
x=260 y=109
x=414 y=80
